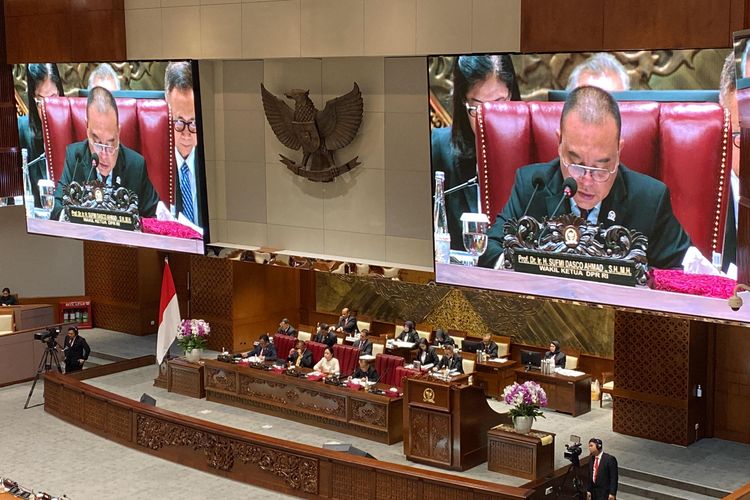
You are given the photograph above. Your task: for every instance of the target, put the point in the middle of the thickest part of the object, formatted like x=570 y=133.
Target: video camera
x=47 y=336
x=573 y=450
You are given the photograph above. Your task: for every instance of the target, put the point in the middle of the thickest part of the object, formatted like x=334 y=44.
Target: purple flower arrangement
x=193 y=334
x=527 y=399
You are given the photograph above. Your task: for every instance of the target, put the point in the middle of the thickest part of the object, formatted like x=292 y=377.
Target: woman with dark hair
x=43 y=80
x=426 y=354
x=556 y=354
x=409 y=334
x=476 y=80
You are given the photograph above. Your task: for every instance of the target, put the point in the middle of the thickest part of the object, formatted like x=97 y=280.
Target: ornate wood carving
x=297 y=472
x=368 y=413
x=220 y=379
x=357 y=481
x=520 y=458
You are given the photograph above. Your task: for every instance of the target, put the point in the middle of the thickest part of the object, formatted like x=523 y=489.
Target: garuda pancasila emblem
x=318 y=133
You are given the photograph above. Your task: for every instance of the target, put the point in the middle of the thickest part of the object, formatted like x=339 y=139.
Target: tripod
x=572 y=474
x=45 y=365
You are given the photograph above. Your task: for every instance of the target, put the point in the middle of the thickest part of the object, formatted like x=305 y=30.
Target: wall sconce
x=735 y=302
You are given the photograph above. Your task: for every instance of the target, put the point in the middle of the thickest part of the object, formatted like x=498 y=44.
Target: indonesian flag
x=169 y=315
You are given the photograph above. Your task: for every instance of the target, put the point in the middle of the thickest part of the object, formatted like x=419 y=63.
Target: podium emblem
x=428 y=396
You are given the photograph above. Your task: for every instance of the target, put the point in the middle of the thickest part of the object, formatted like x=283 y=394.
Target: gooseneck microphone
x=94 y=165
x=75 y=168
x=570 y=188
x=469 y=183
x=538 y=182
x=36 y=160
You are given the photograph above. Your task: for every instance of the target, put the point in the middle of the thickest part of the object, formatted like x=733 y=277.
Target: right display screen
x=602 y=177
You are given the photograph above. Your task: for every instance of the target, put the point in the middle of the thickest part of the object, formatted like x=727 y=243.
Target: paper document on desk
x=427 y=367
x=568 y=373
x=351 y=339
x=399 y=343
x=498 y=360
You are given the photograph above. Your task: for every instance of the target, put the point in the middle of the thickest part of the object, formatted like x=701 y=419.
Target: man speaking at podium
x=118 y=166
x=608 y=193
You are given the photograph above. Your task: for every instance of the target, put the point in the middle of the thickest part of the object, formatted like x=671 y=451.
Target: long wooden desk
x=492 y=376
x=564 y=394
x=359 y=413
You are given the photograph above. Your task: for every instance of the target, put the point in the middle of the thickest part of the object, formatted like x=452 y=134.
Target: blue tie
x=187 y=193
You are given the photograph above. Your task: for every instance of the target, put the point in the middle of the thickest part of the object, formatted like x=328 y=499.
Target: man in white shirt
x=178 y=92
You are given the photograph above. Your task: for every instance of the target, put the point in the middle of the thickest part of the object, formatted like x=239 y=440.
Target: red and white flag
x=169 y=315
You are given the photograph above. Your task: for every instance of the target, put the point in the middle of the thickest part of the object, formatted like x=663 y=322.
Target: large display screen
x=609 y=178
x=114 y=152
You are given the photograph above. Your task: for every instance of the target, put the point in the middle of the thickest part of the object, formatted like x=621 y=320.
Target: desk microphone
x=383 y=374
x=538 y=183
x=75 y=169
x=36 y=160
x=469 y=183
x=94 y=165
x=570 y=188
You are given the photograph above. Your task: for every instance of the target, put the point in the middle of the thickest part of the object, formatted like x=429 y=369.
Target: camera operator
x=76 y=350
x=602 y=473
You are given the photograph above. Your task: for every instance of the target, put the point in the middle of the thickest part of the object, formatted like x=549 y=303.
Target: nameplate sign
x=618 y=272
x=102 y=218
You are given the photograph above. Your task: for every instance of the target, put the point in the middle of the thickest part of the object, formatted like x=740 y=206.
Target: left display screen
x=114 y=152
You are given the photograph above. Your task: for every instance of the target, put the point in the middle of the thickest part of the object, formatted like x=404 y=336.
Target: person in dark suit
x=76 y=350
x=264 y=349
x=286 y=328
x=178 y=92
x=118 y=165
x=342 y=319
x=608 y=192
x=409 y=333
x=364 y=344
x=476 y=80
x=556 y=354
x=603 y=473
x=365 y=370
x=426 y=354
x=6 y=299
x=488 y=346
x=300 y=355
x=326 y=335
x=348 y=324
x=442 y=338
x=451 y=360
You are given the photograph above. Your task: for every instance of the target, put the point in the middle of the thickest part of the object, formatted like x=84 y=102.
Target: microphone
x=37 y=160
x=94 y=165
x=570 y=188
x=382 y=375
x=469 y=183
x=75 y=169
x=538 y=183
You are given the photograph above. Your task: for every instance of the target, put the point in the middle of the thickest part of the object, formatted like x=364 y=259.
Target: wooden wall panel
x=557 y=25
x=732 y=384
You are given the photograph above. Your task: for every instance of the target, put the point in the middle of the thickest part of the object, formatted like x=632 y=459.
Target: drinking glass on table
x=46 y=197
x=475 y=228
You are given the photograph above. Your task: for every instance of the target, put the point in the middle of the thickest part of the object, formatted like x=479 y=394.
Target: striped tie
x=187 y=193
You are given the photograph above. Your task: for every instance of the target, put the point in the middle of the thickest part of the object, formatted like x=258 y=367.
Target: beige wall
x=51 y=266
x=261 y=29
x=381 y=210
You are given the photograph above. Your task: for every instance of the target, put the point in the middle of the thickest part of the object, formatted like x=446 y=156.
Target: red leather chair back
x=283 y=343
x=317 y=350
x=680 y=144
x=144 y=127
x=386 y=364
x=403 y=372
x=347 y=356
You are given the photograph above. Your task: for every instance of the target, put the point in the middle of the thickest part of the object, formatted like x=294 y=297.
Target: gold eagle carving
x=318 y=133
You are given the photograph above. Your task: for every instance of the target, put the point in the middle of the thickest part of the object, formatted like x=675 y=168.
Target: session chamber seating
x=317 y=350
x=680 y=144
x=283 y=344
x=144 y=127
x=386 y=364
x=347 y=356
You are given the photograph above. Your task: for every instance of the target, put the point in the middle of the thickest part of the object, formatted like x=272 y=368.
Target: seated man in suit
x=342 y=319
x=300 y=355
x=409 y=334
x=442 y=338
x=608 y=192
x=364 y=344
x=451 y=360
x=348 y=325
x=118 y=166
x=326 y=335
x=556 y=354
x=488 y=346
x=265 y=349
x=365 y=370
x=285 y=328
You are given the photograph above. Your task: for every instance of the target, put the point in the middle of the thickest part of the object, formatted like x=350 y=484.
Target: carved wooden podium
x=446 y=423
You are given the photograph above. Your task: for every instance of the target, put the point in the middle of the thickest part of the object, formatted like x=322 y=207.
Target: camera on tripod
x=48 y=336
x=573 y=450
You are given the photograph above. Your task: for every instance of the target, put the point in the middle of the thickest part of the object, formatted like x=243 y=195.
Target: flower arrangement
x=526 y=398
x=193 y=334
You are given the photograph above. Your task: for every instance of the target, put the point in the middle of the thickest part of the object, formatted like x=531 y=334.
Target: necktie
x=187 y=193
x=299 y=359
x=596 y=467
x=584 y=214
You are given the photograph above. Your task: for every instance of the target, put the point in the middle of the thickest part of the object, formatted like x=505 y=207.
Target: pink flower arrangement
x=526 y=398
x=193 y=334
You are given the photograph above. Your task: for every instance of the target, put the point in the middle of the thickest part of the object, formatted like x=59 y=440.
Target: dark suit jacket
x=430 y=358
x=329 y=339
x=371 y=374
x=350 y=325
x=411 y=336
x=269 y=352
x=199 y=192
x=457 y=171
x=291 y=331
x=447 y=341
x=130 y=169
x=606 y=477
x=559 y=358
x=364 y=346
x=453 y=363
x=729 y=249
x=490 y=350
x=79 y=349
x=638 y=201
x=307 y=360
